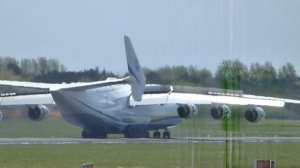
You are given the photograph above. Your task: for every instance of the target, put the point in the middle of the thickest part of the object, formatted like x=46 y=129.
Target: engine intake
x=187 y=110
x=38 y=113
x=220 y=112
x=255 y=114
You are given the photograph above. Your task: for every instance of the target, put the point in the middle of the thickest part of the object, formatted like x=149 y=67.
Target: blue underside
x=99 y=125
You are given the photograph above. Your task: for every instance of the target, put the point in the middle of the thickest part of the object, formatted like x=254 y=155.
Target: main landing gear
x=137 y=133
x=140 y=133
x=93 y=135
x=166 y=134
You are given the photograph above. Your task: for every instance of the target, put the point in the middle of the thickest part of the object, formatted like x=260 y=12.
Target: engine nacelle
x=38 y=113
x=255 y=114
x=220 y=112
x=187 y=110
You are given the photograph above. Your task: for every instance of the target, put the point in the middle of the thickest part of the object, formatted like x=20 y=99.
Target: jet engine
x=187 y=110
x=38 y=113
x=1 y=115
x=220 y=112
x=255 y=114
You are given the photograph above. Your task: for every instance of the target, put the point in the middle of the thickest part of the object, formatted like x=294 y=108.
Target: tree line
x=28 y=69
x=258 y=78
x=262 y=79
x=46 y=71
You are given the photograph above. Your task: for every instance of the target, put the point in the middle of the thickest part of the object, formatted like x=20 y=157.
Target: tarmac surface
x=29 y=141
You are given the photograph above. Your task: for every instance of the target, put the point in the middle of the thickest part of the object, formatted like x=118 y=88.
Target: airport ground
x=143 y=154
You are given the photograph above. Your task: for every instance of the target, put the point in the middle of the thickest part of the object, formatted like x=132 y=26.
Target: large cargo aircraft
x=129 y=106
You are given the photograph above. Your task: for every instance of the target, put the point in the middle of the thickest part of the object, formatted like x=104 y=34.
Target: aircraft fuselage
x=106 y=109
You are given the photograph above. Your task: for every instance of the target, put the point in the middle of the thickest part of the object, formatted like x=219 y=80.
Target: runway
x=48 y=141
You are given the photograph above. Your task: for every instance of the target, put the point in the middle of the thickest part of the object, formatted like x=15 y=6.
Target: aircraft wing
x=27 y=100
x=27 y=93
x=24 y=93
x=194 y=95
x=16 y=88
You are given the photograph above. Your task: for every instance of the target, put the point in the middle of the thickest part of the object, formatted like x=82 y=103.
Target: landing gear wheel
x=85 y=134
x=147 y=134
x=156 y=134
x=166 y=134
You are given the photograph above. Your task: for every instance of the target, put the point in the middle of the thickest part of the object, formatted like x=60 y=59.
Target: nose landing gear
x=156 y=134
x=166 y=134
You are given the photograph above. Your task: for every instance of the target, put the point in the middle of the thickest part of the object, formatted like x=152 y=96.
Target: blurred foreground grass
x=145 y=155
x=141 y=155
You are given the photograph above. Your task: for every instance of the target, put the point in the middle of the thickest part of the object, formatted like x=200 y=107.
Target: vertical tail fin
x=138 y=80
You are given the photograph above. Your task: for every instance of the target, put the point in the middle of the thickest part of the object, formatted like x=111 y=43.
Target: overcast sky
x=85 y=34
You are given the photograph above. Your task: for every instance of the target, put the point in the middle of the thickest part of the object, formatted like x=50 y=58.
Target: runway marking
x=31 y=141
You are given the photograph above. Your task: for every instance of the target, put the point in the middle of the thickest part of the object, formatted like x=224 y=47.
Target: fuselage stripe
x=90 y=107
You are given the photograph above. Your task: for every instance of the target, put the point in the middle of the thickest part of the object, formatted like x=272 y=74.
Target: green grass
x=46 y=129
x=141 y=155
x=188 y=128
x=184 y=155
x=239 y=127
